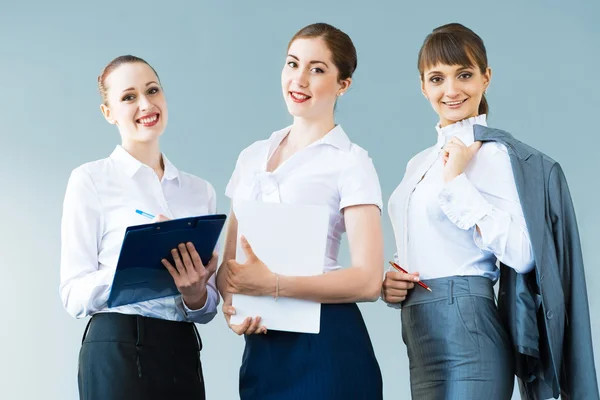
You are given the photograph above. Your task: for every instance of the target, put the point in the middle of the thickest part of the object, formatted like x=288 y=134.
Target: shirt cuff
x=201 y=315
x=462 y=203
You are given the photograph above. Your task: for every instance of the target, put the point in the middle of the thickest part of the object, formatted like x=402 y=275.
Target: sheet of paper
x=290 y=239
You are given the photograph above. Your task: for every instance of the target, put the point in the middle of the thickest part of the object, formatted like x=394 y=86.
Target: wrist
x=449 y=177
x=196 y=302
x=272 y=287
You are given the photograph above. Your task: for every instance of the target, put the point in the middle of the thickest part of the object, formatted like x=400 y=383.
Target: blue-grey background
x=220 y=65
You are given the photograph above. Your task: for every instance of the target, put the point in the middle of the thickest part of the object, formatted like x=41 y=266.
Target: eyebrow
x=311 y=62
x=147 y=84
x=462 y=68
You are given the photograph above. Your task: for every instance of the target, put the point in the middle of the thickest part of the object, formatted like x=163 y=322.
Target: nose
x=300 y=78
x=144 y=103
x=451 y=89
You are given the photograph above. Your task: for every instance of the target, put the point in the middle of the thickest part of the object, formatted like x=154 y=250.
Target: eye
x=128 y=97
x=292 y=64
x=317 y=70
x=465 y=75
x=153 y=90
x=435 y=79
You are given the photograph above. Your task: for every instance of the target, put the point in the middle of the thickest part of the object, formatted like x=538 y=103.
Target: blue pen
x=145 y=214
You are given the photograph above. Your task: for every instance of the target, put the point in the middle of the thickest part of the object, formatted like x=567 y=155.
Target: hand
x=396 y=286
x=456 y=156
x=160 y=218
x=252 y=278
x=190 y=275
x=248 y=327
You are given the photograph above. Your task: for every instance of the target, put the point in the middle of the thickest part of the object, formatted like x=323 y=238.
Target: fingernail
x=416 y=279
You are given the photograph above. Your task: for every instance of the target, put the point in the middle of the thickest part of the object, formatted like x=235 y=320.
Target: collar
x=461 y=129
x=131 y=165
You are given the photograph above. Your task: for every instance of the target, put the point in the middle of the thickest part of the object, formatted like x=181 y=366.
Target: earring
x=340 y=94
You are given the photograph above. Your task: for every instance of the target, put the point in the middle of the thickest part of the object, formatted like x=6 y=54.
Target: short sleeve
x=359 y=183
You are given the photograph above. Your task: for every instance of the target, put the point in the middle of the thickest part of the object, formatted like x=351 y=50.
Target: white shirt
x=435 y=223
x=331 y=171
x=99 y=205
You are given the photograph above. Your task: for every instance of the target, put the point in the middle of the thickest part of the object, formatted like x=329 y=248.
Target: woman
x=146 y=350
x=455 y=214
x=311 y=162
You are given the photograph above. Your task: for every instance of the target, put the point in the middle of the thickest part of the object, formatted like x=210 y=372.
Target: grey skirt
x=457 y=346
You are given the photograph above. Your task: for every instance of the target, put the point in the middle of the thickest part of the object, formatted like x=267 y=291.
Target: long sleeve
x=488 y=199
x=84 y=287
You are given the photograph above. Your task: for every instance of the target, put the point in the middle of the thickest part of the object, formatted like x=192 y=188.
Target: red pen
x=399 y=268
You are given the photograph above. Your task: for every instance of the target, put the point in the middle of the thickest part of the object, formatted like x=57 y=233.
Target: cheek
x=324 y=90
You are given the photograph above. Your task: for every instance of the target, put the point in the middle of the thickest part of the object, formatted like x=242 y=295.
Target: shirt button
x=550 y=314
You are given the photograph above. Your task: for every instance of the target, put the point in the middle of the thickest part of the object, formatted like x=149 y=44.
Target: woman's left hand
x=456 y=156
x=253 y=277
x=190 y=274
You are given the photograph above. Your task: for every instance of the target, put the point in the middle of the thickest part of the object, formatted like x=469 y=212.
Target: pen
x=145 y=214
x=399 y=268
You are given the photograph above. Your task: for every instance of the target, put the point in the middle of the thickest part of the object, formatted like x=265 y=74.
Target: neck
x=148 y=154
x=305 y=131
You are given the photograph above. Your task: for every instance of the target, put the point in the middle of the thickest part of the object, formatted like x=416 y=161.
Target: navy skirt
x=338 y=363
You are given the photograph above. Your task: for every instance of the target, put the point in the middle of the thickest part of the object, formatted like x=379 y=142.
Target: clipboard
x=140 y=275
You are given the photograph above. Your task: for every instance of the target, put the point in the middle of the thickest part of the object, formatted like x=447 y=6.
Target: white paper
x=290 y=239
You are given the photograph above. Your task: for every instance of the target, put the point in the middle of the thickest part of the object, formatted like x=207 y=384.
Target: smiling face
x=454 y=91
x=310 y=79
x=135 y=103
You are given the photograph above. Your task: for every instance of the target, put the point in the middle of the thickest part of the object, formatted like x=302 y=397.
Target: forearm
x=84 y=295
x=222 y=283
x=346 y=285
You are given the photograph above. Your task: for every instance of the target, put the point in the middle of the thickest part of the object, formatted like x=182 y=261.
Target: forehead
x=310 y=48
x=135 y=75
x=447 y=69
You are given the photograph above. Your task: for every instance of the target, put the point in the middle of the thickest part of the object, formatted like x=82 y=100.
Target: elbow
x=74 y=309
x=523 y=268
x=372 y=290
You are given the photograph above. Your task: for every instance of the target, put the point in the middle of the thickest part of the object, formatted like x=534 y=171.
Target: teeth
x=454 y=103
x=149 y=120
x=300 y=96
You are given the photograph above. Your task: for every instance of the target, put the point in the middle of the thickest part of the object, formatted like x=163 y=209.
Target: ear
x=487 y=77
x=107 y=114
x=344 y=86
x=423 y=88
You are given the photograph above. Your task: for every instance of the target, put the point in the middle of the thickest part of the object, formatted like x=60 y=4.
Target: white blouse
x=99 y=205
x=435 y=222
x=331 y=171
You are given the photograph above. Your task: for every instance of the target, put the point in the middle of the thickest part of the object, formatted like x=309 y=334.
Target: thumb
x=250 y=256
x=160 y=218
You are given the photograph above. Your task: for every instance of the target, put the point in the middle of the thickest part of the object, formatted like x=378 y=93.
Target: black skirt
x=131 y=357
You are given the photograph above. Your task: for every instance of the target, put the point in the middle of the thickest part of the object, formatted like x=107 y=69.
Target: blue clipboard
x=140 y=275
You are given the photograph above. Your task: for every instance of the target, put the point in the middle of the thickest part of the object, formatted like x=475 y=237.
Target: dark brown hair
x=343 y=52
x=111 y=66
x=454 y=44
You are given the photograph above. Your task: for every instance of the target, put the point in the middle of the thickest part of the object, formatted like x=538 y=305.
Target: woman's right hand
x=396 y=285
x=248 y=327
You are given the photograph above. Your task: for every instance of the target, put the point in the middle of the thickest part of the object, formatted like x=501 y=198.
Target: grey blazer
x=546 y=311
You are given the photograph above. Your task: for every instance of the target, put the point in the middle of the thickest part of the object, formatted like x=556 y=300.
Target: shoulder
x=90 y=171
x=196 y=183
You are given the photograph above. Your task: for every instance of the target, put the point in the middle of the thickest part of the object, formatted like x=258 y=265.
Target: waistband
x=449 y=288
x=139 y=330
